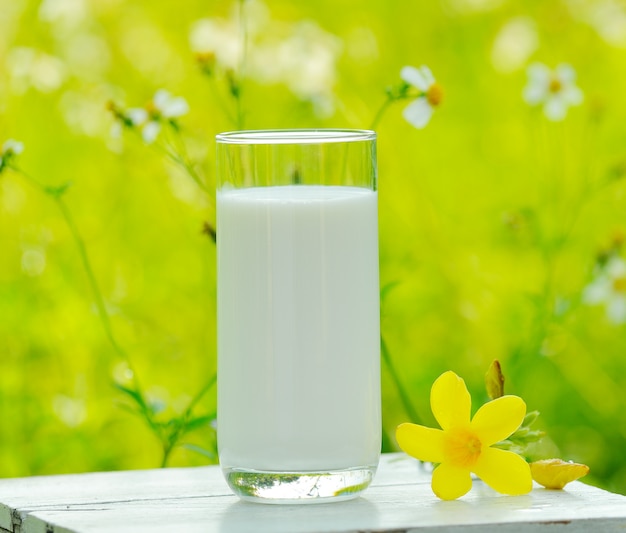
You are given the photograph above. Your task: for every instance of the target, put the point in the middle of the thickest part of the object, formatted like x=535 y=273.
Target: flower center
x=462 y=447
x=555 y=86
x=434 y=94
x=619 y=284
x=153 y=111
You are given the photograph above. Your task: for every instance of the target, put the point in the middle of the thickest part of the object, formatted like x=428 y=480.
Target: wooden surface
x=190 y=500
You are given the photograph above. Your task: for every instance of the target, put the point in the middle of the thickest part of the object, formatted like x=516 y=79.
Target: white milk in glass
x=298 y=328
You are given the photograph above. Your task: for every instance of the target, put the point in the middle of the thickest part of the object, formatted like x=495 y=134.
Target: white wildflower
x=13 y=146
x=220 y=37
x=419 y=111
x=609 y=289
x=10 y=148
x=555 y=89
x=170 y=106
x=150 y=131
x=163 y=106
x=116 y=130
x=302 y=56
x=137 y=115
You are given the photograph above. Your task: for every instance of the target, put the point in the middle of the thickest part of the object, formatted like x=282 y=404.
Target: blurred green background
x=494 y=221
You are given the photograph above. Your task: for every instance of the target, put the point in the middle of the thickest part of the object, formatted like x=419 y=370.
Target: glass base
x=299 y=487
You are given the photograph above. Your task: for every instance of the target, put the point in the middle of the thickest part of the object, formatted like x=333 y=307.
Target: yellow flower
x=464 y=446
x=556 y=473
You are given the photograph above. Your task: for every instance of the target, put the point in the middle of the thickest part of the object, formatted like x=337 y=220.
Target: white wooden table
x=190 y=500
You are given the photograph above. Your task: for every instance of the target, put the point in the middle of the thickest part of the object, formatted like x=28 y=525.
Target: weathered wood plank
x=198 y=500
x=46 y=491
x=384 y=508
x=29 y=494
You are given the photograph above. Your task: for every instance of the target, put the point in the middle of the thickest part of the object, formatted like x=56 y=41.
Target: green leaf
x=530 y=418
x=386 y=289
x=211 y=454
x=198 y=422
x=59 y=190
x=133 y=394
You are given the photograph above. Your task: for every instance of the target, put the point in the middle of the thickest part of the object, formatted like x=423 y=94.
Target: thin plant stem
x=181 y=157
x=588 y=191
x=169 y=442
x=220 y=101
x=404 y=397
x=182 y=160
x=235 y=77
x=167 y=451
x=188 y=167
x=95 y=289
x=381 y=111
x=82 y=250
x=242 y=66
x=553 y=154
x=391 y=98
x=240 y=118
x=207 y=387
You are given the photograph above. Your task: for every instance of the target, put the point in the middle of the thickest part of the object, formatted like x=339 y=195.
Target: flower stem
x=182 y=160
x=240 y=115
x=95 y=289
x=207 y=386
x=82 y=250
x=180 y=156
x=242 y=65
x=169 y=441
x=404 y=397
x=220 y=101
x=381 y=111
x=391 y=98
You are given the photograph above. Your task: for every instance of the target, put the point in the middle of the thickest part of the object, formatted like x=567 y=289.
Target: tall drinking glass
x=298 y=313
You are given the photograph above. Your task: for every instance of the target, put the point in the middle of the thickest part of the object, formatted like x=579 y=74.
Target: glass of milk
x=298 y=314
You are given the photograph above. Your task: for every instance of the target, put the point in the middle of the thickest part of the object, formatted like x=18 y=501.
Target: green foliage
x=520 y=440
x=170 y=431
x=494 y=221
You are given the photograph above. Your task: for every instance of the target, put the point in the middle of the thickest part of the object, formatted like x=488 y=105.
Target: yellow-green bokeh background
x=491 y=218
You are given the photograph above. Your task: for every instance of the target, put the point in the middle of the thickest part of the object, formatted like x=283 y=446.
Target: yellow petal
x=556 y=473
x=450 y=482
x=498 y=419
x=450 y=401
x=425 y=444
x=504 y=471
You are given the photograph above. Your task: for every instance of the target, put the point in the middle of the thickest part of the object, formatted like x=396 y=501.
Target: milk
x=298 y=328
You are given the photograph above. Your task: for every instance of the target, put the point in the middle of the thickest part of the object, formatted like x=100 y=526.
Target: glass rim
x=295 y=136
